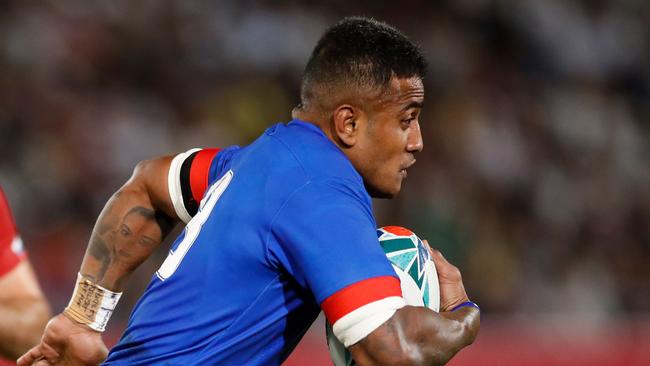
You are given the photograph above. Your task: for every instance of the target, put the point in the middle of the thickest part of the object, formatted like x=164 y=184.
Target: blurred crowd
x=534 y=179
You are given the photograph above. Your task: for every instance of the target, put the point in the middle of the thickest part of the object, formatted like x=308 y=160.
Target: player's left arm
x=23 y=310
x=420 y=336
x=333 y=250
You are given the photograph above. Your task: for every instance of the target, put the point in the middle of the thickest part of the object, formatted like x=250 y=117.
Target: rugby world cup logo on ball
x=417 y=273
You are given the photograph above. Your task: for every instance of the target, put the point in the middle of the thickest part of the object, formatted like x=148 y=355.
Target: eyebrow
x=414 y=104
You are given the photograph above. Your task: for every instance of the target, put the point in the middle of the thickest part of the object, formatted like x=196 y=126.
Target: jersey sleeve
x=11 y=245
x=326 y=240
x=190 y=174
x=188 y=179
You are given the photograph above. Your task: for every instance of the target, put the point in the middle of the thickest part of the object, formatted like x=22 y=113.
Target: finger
x=447 y=272
x=42 y=363
x=434 y=252
x=437 y=257
x=32 y=355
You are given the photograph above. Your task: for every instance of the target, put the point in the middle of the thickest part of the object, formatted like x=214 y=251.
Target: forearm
x=133 y=223
x=21 y=324
x=126 y=233
x=443 y=339
x=418 y=336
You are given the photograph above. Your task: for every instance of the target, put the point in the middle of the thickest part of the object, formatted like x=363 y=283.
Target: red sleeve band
x=200 y=171
x=359 y=294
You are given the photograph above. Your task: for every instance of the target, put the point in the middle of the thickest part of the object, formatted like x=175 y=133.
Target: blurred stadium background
x=534 y=179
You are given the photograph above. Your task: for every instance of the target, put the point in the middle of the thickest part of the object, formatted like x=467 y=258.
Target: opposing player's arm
x=23 y=310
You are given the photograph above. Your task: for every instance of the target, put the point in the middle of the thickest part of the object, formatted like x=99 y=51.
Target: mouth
x=404 y=169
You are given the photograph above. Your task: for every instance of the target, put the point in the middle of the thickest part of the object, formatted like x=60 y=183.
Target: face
x=390 y=136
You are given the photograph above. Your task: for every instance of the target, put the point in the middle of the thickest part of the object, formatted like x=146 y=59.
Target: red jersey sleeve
x=11 y=246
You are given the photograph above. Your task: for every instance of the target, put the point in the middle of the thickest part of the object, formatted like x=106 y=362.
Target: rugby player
x=276 y=232
x=23 y=308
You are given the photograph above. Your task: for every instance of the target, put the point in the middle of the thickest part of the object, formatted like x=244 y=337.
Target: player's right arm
x=160 y=193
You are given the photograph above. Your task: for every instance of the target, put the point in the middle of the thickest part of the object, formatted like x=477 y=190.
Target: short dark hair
x=361 y=52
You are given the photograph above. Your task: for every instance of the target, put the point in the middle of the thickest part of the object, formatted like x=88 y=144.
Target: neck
x=325 y=122
x=317 y=118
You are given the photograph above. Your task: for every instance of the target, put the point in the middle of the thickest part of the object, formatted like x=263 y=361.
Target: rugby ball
x=416 y=271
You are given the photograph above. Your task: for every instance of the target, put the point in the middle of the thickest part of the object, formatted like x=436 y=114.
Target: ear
x=347 y=122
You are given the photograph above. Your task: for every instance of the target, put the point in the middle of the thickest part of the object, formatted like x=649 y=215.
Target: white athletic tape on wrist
x=92 y=304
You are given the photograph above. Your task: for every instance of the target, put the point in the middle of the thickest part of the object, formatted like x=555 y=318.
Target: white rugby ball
x=417 y=274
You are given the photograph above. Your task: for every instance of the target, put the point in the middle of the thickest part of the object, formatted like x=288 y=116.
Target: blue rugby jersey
x=284 y=227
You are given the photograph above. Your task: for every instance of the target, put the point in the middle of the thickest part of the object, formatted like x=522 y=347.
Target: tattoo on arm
x=120 y=244
x=99 y=250
x=147 y=213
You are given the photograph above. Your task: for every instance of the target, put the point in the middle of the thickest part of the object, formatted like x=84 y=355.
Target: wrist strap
x=91 y=304
x=466 y=303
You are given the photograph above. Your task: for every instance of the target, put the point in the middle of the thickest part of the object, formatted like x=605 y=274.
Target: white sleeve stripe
x=174 y=184
x=357 y=324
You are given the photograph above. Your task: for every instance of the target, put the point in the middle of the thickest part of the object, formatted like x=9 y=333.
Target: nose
x=414 y=143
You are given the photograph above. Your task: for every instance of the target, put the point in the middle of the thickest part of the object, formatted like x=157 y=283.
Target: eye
x=407 y=121
x=125 y=230
x=410 y=116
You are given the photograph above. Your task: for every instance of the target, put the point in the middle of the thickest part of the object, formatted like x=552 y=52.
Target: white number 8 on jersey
x=193 y=227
